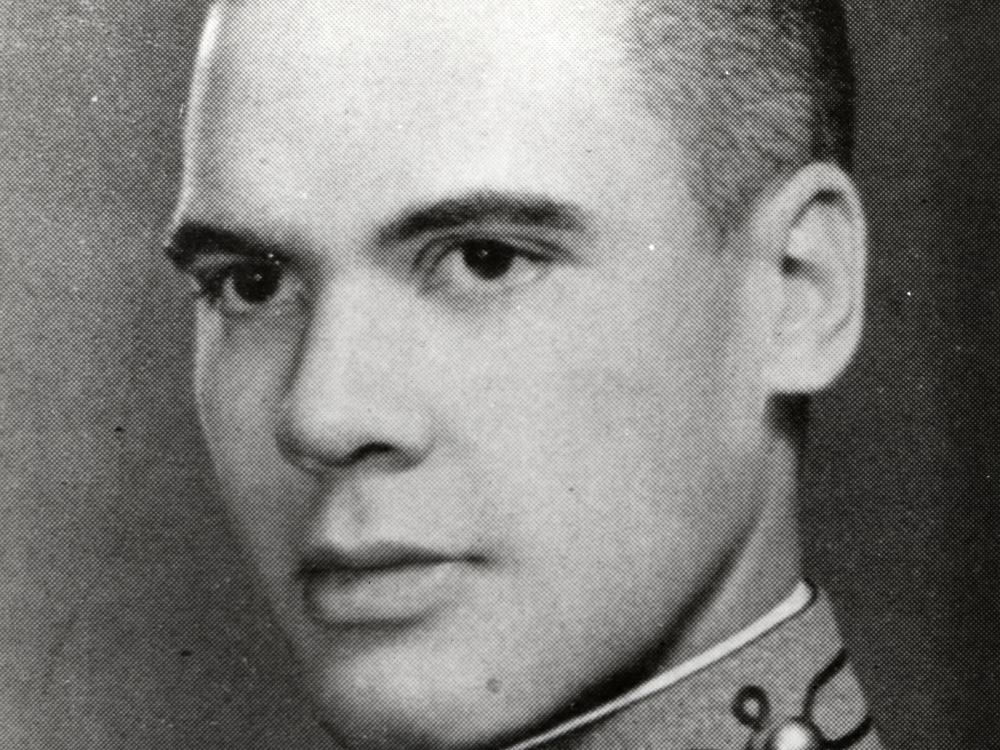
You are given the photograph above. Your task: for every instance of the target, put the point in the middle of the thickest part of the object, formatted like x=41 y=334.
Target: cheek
x=614 y=426
x=626 y=386
x=237 y=382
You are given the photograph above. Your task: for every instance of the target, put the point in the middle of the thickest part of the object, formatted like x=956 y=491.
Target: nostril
x=382 y=456
x=370 y=451
x=322 y=432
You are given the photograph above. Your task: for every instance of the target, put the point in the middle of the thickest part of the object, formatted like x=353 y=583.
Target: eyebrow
x=190 y=239
x=486 y=207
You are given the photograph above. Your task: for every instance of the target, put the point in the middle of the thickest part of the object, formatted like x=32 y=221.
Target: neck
x=757 y=576
x=762 y=571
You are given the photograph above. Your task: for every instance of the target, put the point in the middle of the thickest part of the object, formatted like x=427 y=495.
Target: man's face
x=476 y=382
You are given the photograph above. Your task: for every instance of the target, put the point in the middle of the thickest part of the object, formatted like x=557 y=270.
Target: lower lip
x=392 y=595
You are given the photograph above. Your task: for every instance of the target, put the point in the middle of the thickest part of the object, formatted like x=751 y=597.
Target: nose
x=352 y=396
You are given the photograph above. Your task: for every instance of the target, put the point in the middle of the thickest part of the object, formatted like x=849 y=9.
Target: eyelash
x=208 y=282
x=210 y=271
x=432 y=258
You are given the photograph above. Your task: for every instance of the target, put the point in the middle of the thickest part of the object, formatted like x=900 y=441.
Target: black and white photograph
x=499 y=375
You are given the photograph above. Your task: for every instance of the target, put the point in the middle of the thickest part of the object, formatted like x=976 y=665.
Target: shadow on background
x=125 y=618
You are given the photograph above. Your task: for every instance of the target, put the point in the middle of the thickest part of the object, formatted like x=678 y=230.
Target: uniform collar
x=797 y=601
x=783 y=683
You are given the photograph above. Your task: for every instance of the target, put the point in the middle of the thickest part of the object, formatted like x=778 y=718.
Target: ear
x=814 y=234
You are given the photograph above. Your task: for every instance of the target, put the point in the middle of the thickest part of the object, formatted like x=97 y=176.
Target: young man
x=507 y=313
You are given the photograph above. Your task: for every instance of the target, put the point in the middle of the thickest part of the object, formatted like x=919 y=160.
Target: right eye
x=247 y=287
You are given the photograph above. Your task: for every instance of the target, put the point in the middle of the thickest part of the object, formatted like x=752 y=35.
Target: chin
x=392 y=712
x=371 y=726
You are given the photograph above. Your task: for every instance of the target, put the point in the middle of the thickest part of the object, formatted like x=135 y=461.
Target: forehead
x=441 y=37
x=404 y=62
x=367 y=101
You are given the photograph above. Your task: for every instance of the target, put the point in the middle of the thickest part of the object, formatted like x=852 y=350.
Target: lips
x=385 y=583
x=371 y=557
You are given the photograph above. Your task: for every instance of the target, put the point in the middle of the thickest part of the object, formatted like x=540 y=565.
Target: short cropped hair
x=754 y=90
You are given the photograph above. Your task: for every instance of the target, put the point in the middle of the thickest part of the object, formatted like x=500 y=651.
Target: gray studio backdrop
x=126 y=620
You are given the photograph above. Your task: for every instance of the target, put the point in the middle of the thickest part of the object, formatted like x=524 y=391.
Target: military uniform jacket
x=791 y=688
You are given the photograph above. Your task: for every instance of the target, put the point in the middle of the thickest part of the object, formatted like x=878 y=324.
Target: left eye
x=473 y=265
x=247 y=287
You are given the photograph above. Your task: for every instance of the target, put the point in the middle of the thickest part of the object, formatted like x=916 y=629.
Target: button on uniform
x=795 y=735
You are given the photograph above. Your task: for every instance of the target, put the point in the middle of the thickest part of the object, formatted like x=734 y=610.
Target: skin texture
x=582 y=442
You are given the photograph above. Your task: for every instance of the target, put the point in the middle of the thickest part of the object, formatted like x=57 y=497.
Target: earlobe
x=815 y=227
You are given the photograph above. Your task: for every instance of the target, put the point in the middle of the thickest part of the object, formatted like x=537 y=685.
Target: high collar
x=788 y=688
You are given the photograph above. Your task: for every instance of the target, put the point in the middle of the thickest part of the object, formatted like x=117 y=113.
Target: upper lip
x=372 y=557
